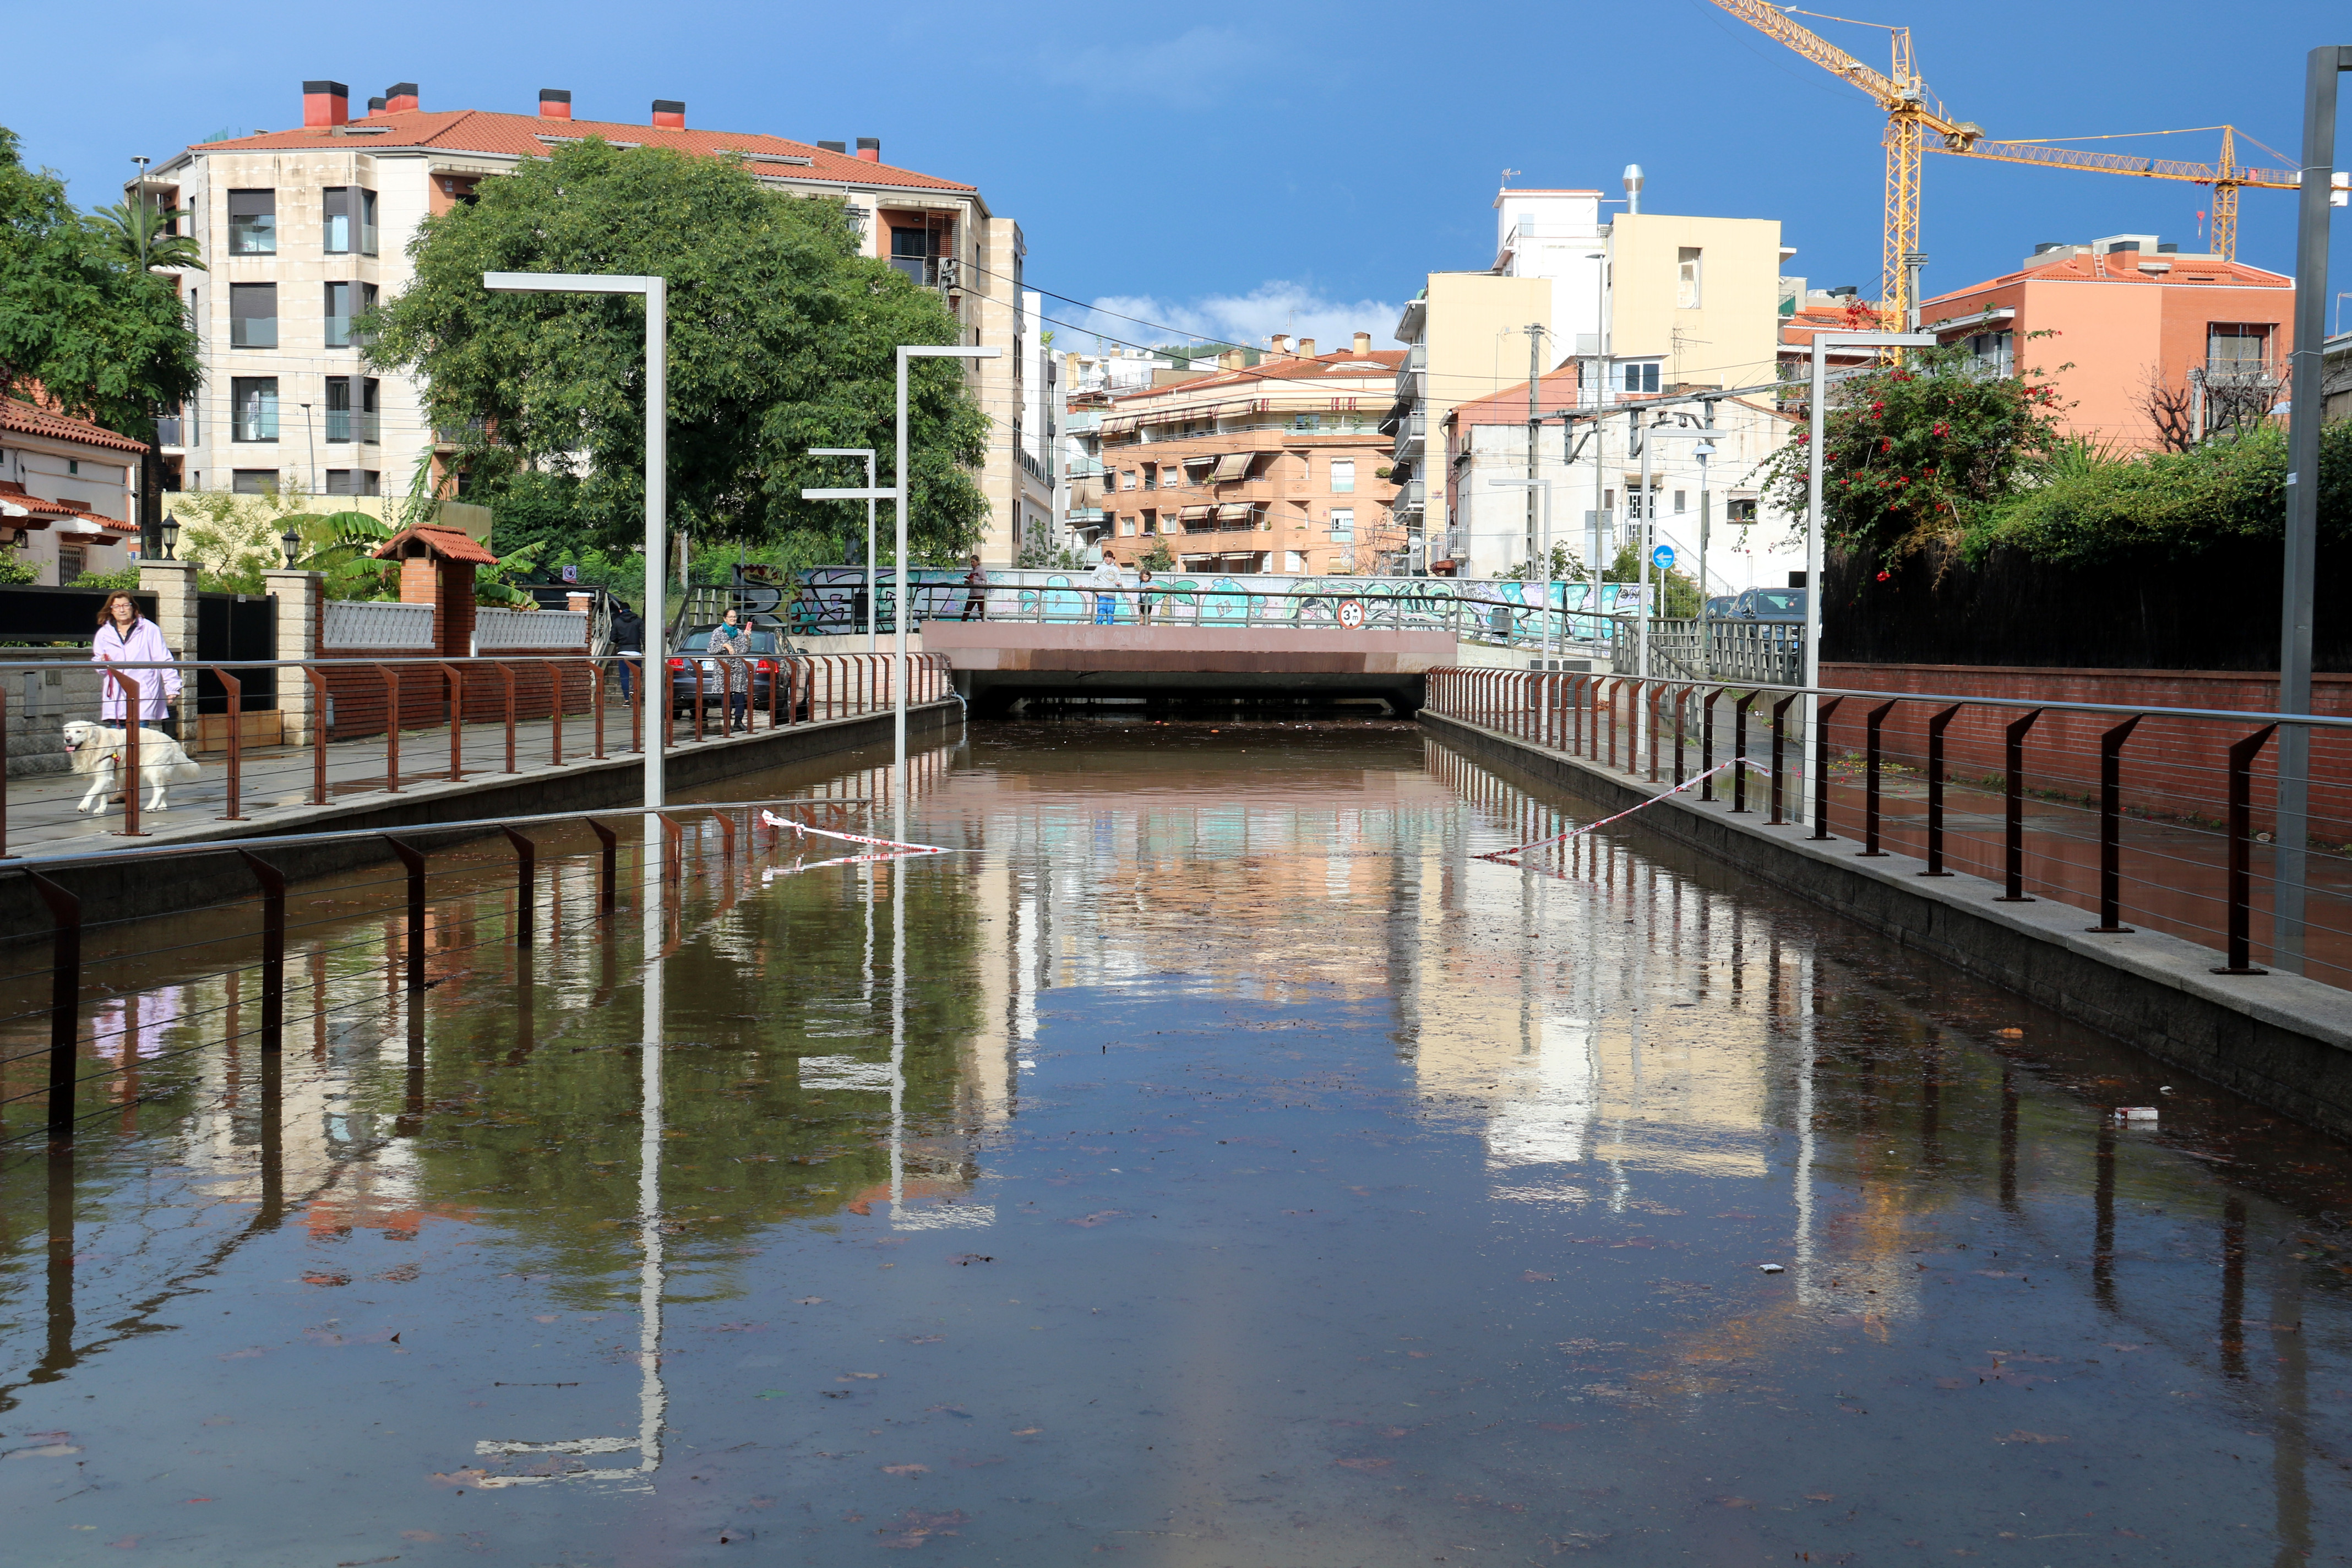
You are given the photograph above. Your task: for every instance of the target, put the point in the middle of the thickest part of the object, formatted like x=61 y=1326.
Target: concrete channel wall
x=135 y=886
x=2279 y=1039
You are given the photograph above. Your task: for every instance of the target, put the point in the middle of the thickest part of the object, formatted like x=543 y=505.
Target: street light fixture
x=656 y=292
x=896 y=493
x=170 y=530
x=873 y=599
x=291 y=543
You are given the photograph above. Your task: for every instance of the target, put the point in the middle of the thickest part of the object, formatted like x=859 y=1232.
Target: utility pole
x=2322 y=67
x=1535 y=427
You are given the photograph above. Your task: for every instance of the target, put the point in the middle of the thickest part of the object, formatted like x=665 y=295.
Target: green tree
x=143 y=237
x=781 y=339
x=79 y=323
x=1919 y=451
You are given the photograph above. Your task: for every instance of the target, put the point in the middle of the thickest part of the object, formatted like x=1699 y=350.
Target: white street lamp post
x=897 y=494
x=873 y=599
x=655 y=673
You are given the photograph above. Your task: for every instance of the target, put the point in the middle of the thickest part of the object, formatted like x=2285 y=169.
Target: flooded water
x=1212 y=1164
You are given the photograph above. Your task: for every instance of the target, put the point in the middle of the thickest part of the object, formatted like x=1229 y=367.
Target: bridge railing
x=337 y=728
x=2163 y=818
x=1309 y=607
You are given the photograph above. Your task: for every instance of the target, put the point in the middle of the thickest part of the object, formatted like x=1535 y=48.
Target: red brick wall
x=360 y=704
x=2169 y=765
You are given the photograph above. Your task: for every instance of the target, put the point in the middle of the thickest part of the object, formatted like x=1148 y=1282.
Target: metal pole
x=2293 y=830
x=1816 y=425
x=657 y=665
x=873 y=602
x=899 y=609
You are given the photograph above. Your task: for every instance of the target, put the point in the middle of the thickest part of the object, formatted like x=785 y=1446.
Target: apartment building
x=302 y=230
x=1667 y=300
x=1279 y=467
x=2146 y=329
x=1483 y=457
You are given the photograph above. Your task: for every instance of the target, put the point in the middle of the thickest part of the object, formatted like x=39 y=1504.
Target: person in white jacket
x=1108 y=581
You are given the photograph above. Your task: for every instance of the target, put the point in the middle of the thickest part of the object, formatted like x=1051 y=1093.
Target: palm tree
x=147 y=239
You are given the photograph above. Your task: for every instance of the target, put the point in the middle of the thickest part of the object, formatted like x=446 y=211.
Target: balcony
x=1408 y=374
x=253 y=333
x=1411 y=431
x=341 y=425
x=467 y=434
x=256 y=423
x=168 y=431
x=1409 y=499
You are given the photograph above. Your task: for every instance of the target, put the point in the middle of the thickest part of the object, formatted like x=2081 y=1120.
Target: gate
x=237 y=626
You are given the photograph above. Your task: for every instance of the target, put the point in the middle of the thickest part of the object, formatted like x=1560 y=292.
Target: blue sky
x=1246 y=168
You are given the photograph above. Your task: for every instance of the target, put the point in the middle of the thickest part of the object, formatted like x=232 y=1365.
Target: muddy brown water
x=1213 y=1162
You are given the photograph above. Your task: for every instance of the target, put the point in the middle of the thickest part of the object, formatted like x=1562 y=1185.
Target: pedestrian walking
x=126 y=636
x=628 y=642
x=975 y=592
x=1106 y=584
x=730 y=641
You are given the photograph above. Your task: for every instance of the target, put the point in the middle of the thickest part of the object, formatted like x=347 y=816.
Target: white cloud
x=1192 y=69
x=1246 y=319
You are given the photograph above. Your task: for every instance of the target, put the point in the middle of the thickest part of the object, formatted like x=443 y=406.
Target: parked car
x=1769 y=605
x=1719 y=607
x=767 y=656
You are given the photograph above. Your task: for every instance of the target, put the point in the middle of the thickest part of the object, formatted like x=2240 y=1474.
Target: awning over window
x=1235 y=511
x=1196 y=514
x=1231 y=466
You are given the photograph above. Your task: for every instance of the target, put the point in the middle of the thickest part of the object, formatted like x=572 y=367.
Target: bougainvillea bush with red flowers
x=1920 y=451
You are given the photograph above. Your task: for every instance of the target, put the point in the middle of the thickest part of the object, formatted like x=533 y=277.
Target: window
x=72 y=561
x=1150 y=522
x=350 y=215
x=1682 y=500
x=1343 y=475
x=253 y=413
x=1737 y=511
x=1995 y=352
x=1126 y=525
x=1150 y=475
x=253 y=315
x=1343 y=525
x=345 y=423
x=341 y=299
x=255 y=481
x=2237 y=345
x=355 y=482
x=1643 y=377
x=1687 y=277
x=253 y=223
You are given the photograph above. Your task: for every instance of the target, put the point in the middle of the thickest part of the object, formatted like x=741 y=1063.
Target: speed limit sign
x=1351 y=613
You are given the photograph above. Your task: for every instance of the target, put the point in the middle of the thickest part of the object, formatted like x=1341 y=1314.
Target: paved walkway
x=277 y=783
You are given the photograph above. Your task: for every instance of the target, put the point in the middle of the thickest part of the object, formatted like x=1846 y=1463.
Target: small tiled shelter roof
x=31 y=419
x=20 y=510
x=440 y=544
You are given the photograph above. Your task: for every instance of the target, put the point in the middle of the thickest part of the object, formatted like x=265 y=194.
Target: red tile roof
x=450 y=543
x=531 y=136
x=40 y=512
x=1556 y=390
x=2190 y=270
x=32 y=420
x=1380 y=361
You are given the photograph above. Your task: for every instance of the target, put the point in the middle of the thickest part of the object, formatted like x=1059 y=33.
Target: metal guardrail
x=354 y=716
x=2191 y=783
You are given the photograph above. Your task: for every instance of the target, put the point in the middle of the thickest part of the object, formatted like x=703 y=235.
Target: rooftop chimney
x=870 y=149
x=1279 y=344
x=1307 y=348
x=554 y=103
x=671 y=112
x=375 y=105
x=1363 y=343
x=326 y=104
x=842 y=147
x=400 y=97
x=1232 y=359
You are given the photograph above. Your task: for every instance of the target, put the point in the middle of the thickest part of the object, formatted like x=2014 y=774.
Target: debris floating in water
x=2135 y=1113
x=1771 y=1268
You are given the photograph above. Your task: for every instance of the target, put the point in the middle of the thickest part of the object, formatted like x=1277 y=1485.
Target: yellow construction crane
x=1917 y=120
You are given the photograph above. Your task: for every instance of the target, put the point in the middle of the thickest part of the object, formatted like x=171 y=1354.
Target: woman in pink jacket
x=124 y=635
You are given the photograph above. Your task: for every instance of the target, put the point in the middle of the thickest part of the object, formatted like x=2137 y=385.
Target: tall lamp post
x=2322 y=67
x=896 y=493
x=873 y=599
x=656 y=292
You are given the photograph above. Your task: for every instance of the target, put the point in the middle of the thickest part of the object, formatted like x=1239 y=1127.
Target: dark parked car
x=1769 y=605
x=753 y=677
x=1719 y=607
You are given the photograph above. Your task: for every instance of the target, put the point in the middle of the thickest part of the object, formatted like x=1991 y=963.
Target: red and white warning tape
x=1596 y=826
x=772 y=820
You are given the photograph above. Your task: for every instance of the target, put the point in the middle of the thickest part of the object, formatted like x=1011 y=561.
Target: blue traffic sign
x=1663 y=556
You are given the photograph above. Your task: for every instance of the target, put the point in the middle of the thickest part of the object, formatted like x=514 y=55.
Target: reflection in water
x=1211 y=1159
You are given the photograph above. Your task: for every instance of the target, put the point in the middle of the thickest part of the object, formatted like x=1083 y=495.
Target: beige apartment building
x=1279 y=467
x=301 y=230
x=1668 y=301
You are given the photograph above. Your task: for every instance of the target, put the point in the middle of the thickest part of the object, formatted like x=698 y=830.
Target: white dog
x=98 y=750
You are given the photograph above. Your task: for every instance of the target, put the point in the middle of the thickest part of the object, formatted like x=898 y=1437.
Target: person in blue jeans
x=1107 y=583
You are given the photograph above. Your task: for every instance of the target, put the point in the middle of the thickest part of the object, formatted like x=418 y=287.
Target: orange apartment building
x=2128 y=311
x=1279 y=466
